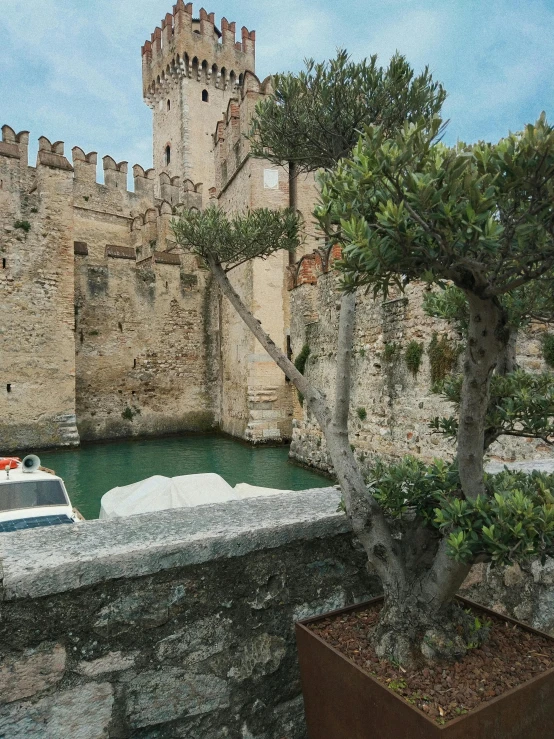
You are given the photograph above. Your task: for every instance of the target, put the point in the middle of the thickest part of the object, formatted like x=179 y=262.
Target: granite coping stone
x=45 y=561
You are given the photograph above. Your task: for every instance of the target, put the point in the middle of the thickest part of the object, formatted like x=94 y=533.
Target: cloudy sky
x=70 y=69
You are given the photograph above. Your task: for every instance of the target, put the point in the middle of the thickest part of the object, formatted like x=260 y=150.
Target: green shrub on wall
x=361 y=413
x=413 y=355
x=391 y=351
x=443 y=356
x=548 y=349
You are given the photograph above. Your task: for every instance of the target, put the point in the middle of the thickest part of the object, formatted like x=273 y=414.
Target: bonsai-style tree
x=314 y=118
x=406 y=207
x=480 y=218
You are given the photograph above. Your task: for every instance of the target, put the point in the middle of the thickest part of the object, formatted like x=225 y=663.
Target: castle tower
x=190 y=70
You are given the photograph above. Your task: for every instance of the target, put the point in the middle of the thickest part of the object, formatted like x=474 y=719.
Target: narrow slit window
x=169 y=104
x=204 y=96
x=3 y=263
x=168 y=154
x=9 y=387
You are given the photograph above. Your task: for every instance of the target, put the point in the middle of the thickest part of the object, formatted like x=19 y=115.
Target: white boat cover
x=158 y=493
x=245 y=490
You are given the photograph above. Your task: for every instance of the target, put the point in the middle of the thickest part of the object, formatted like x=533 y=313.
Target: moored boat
x=31 y=496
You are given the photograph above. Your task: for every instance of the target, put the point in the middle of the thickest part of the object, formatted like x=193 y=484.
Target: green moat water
x=93 y=469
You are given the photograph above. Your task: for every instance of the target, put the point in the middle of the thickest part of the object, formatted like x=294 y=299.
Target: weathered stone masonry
x=390 y=407
x=173 y=624
x=105 y=323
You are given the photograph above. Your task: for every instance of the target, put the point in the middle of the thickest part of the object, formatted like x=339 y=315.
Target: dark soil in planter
x=509 y=658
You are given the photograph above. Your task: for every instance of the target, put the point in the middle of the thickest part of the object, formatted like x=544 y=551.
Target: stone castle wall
x=37 y=355
x=108 y=323
x=140 y=348
x=390 y=407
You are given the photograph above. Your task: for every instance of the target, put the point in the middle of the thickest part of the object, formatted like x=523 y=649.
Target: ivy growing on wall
x=391 y=351
x=443 y=356
x=413 y=355
x=548 y=349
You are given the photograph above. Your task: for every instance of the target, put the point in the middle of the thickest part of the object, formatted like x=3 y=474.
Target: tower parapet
x=183 y=46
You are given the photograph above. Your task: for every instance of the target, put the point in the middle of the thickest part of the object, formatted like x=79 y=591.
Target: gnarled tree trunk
x=488 y=336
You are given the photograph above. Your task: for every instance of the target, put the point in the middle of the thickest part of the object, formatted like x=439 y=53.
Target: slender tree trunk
x=419 y=620
x=487 y=338
x=293 y=199
x=368 y=521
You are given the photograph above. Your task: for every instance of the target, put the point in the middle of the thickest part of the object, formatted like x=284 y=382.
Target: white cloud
x=73 y=69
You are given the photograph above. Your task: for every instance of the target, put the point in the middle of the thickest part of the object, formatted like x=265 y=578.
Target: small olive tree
x=480 y=218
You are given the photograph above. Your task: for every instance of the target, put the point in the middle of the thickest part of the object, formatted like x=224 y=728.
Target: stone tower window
x=169 y=104
x=204 y=96
x=8 y=387
x=168 y=154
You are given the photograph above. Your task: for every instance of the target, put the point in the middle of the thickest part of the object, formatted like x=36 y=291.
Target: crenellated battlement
x=84 y=165
x=15 y=145
x=183 y=46
x=52 y=155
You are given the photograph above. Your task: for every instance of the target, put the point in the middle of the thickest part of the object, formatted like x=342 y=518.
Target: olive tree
x=310 y=121
x=479 y=218
x=405 y=207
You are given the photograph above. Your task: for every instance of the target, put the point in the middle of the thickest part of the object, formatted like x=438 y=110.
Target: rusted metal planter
x=344 y=702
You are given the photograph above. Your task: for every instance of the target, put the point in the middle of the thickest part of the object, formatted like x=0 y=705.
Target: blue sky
x=71 y=69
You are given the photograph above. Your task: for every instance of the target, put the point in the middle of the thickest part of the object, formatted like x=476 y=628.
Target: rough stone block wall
x=140 y=346
x=523 y=592
x=390 y=406
x=37 y=357
x=172 y=624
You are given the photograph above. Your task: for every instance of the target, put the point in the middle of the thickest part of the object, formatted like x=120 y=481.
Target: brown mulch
x=445 y=691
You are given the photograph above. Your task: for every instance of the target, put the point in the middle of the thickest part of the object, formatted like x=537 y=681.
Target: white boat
x=159 y=493
x=31 y=496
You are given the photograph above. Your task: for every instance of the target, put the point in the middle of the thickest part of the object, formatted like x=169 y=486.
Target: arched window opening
x=168 y=154
x=169 y=104
x=204 y=96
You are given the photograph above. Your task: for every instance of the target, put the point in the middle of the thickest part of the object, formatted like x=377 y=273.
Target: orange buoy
x=9 y=463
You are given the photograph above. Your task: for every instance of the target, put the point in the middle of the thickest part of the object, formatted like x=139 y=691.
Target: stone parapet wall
x=390 y=406
x=172 y=624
